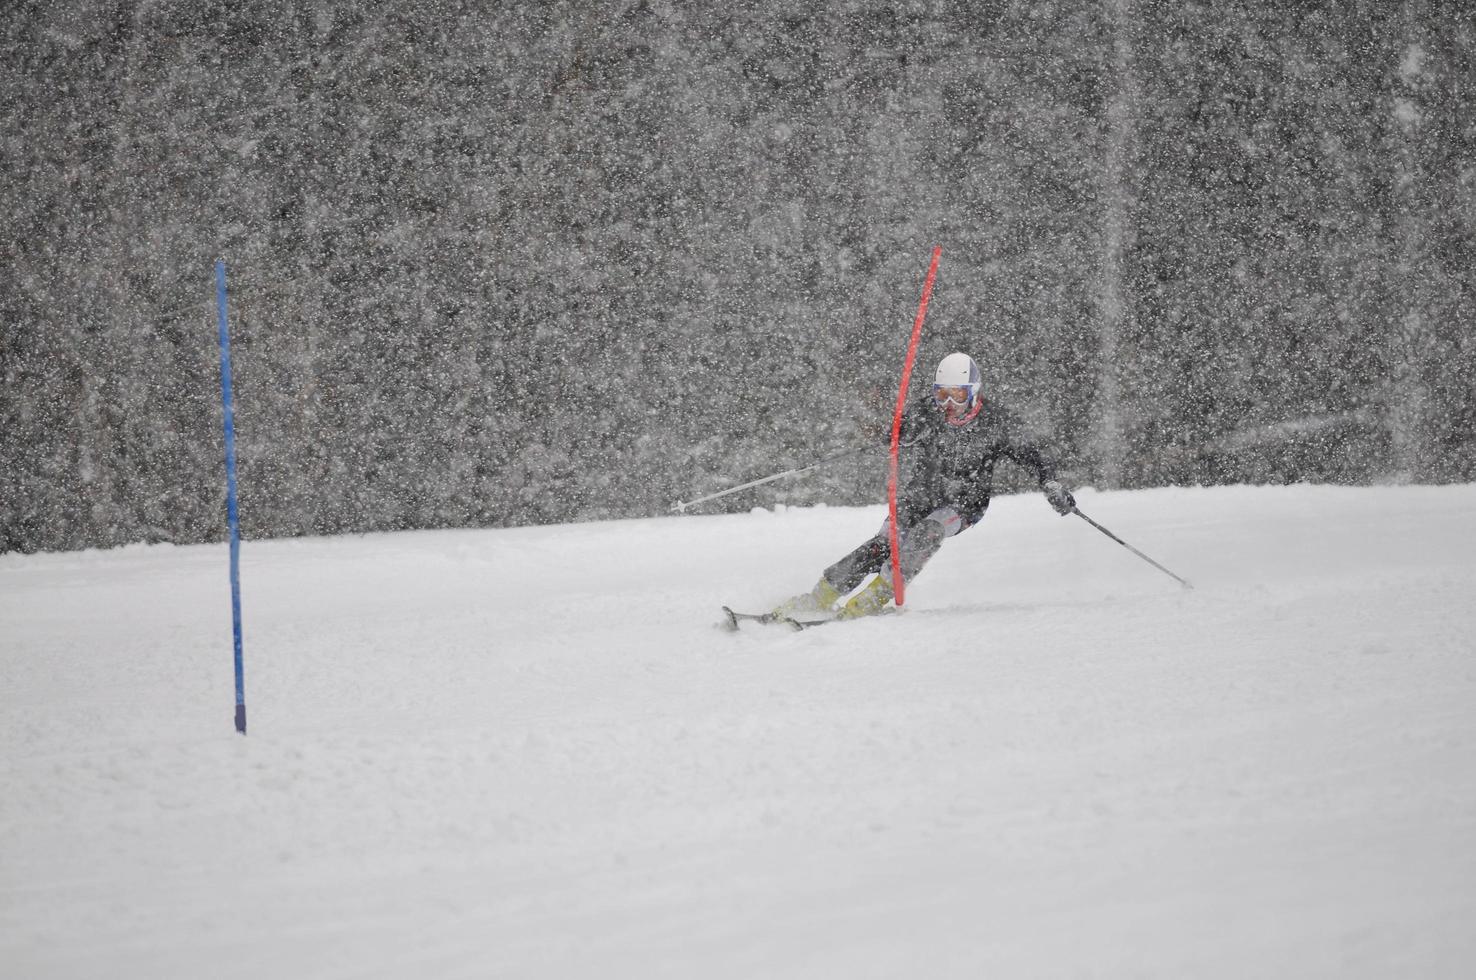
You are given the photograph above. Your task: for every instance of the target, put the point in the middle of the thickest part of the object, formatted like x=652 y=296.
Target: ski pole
x=1181 y=581
x=681 y=506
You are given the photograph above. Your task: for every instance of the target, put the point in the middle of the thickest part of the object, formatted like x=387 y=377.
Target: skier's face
x=950 y=395
x=952 y=401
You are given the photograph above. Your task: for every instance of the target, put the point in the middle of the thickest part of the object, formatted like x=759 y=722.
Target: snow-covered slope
x=532 y=753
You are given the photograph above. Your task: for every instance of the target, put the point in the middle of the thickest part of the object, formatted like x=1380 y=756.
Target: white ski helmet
x=956 y=371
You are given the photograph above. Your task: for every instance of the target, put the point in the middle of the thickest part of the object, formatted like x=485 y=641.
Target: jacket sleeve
x=1020 y=448
x=1033 y=458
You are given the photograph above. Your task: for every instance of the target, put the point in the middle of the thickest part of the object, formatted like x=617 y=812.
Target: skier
x=951 y=442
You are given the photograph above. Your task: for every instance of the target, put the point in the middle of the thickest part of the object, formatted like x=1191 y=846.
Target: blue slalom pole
x=231 y=513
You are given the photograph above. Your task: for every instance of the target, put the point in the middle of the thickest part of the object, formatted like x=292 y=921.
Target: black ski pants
x=918 y=542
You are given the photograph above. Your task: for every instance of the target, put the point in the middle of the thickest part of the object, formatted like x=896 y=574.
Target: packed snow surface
x=534 y=753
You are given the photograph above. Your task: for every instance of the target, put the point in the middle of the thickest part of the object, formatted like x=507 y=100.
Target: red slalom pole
x=898 y=586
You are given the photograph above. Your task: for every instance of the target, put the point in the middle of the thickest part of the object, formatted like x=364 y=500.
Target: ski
x=769 y=619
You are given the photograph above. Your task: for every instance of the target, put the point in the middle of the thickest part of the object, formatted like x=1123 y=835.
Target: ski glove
x=1059 y=497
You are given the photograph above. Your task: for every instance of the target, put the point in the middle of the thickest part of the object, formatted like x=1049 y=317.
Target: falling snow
x=513 y=264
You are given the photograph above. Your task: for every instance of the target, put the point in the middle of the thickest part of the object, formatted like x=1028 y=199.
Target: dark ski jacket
x=953 y=465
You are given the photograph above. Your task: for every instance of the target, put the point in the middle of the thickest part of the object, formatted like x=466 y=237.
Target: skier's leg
x=867 y=559
x=917 y=545
x=920 y=542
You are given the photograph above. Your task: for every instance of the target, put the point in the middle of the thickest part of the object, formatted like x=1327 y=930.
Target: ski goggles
x=946 y=395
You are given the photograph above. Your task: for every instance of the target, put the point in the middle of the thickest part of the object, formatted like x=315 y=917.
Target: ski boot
x=818 y=600
x=869 y=601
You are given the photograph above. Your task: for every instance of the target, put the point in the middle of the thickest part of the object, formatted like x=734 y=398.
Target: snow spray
x=231 y=512
x=898 y=585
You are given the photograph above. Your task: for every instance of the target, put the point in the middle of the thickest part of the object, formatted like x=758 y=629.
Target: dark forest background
x=510 y=263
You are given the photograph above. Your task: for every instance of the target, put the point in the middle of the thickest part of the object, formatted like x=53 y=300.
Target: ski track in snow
x=533 y=752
